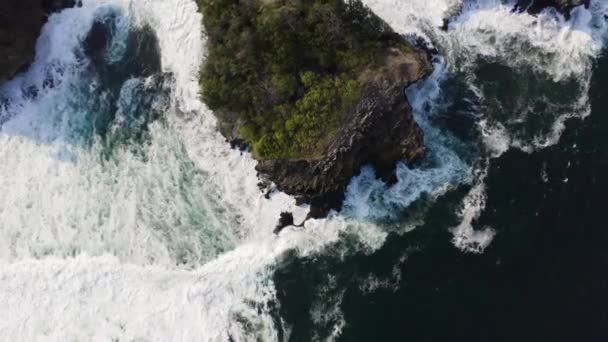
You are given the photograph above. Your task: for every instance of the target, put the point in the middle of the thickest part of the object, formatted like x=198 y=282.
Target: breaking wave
x=516 y=100
x=126 y=216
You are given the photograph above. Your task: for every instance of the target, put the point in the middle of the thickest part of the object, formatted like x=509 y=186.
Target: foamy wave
x=170 y=240
x=103 y=298
x=560 y=53
x=443 y=168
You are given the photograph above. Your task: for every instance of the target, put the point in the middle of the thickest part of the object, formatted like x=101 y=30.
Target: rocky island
x=315 y=88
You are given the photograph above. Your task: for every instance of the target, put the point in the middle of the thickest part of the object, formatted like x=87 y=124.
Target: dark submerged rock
x=285 y=220
x=20 y=24
x=141 y=56
x=563 y=6
x=135 y=72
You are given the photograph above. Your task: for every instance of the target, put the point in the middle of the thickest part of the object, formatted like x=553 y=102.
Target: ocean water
x=125 y=216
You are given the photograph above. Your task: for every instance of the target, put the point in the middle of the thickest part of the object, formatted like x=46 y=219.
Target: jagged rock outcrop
x=564 y=6
x=20 y=24
x=379 y=130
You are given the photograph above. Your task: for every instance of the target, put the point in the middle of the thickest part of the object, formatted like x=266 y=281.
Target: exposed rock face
x=379 y=131
x=564 y=6
x=20 y=25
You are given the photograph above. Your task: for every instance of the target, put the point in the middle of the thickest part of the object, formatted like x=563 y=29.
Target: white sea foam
x=466 y=237
x=102 y=298
x=488 y=30
x=326 y=311
x=495 y=138
x=175 y=245
x=61 y=199
x=372 y=283
x=90 y=249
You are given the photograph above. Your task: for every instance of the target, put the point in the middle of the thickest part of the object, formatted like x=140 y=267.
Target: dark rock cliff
x=379 y=130
x=20 y=24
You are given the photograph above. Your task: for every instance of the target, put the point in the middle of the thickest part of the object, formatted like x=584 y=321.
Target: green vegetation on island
x=282 y=73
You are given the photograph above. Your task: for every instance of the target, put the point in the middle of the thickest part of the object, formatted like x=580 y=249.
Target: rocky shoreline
x=379 y=131
x=20 y=25
x=374 y=134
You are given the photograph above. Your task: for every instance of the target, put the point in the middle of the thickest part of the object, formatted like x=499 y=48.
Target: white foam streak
x=327 y=311
x=466 y=237
x=550 y=44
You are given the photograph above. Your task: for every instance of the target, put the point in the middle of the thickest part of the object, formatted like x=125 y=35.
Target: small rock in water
x=263 y=185
x=318 y=212
x=285 y=220
x=239 y=144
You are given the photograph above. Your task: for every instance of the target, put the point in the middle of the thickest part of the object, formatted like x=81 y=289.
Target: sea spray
x=172 y=227
x=546 y=86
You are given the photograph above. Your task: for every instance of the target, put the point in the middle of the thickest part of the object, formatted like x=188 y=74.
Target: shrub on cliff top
x=289 y=68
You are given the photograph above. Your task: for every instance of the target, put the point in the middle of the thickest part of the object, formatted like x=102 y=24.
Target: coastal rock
x=285 y=220
x=315 y=90
x=20 y=24
x=563 y=6
x=379 y=131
